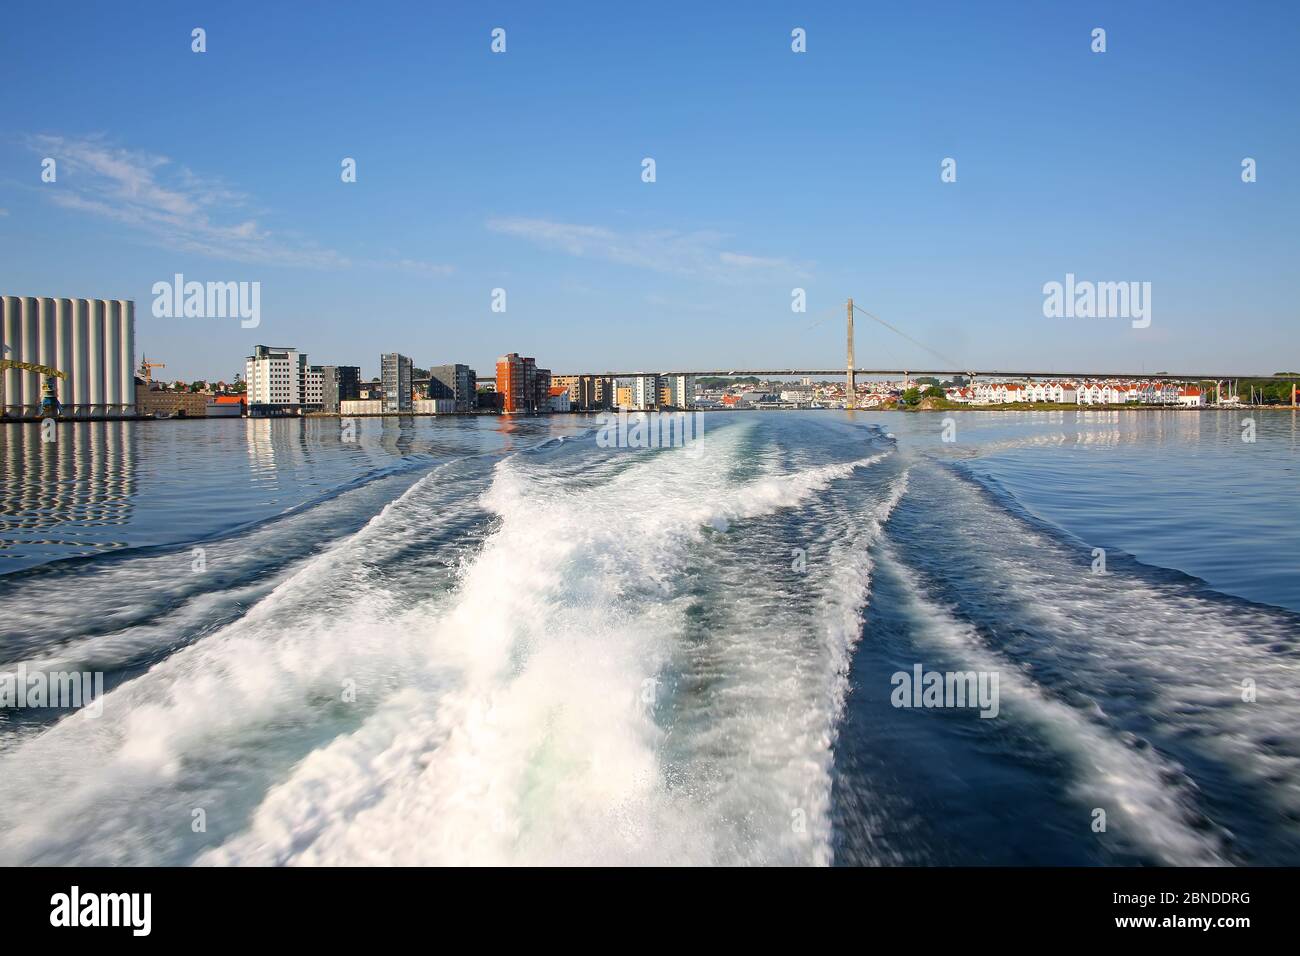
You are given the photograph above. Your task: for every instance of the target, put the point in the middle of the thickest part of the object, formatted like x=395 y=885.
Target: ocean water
x=486 y=641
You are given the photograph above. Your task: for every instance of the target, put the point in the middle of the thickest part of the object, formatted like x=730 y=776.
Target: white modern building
x=1059 y=392
x=313 y=387
x=1093 y=393
x=276 y=378
x=92 y=341
x=645 y=391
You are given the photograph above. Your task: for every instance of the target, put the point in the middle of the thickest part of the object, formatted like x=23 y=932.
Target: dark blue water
x=476 y=640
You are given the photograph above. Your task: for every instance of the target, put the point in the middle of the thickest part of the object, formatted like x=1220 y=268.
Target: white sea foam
x=90 y=789
x=1186 y=649
x=1146 y=797
x=504 y=721
x=544 y=750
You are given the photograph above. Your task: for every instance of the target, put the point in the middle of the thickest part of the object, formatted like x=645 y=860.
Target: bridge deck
x=946 y=373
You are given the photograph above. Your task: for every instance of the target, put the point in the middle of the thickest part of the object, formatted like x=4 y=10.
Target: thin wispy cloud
x=179 y=209
x=420 y=267
x=147 y=192
x=680 y=305
x=698 y=253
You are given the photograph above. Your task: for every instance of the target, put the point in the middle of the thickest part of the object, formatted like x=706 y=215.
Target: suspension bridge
x=946 y=367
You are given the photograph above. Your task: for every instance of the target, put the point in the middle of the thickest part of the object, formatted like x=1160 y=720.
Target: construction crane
x=49 y=390
x=147 y=367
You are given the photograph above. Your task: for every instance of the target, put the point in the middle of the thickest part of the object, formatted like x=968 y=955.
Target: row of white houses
x=1086 y=393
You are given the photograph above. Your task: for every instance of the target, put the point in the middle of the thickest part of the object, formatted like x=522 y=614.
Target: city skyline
x=775 y=170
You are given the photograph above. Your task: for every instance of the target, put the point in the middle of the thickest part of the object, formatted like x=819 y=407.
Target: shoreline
x=667 y=411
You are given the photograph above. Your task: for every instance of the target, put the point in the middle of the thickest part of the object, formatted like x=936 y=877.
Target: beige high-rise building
x=92 y=341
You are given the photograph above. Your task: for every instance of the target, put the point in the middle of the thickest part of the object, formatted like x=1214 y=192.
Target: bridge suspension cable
x=823 y=316
x=897 y=331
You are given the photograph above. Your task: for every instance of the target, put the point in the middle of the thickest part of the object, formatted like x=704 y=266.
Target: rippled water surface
x=474 y=640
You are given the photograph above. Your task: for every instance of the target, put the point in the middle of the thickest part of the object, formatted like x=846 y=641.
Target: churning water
x=485 y=641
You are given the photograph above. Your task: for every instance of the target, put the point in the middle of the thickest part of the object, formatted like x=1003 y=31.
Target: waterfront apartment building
x=543 y=394
x=681 y=390
x=313 y=388
x=276 y=379
x=395 y=373
x=623 y=396
x=1069 y=393
x=587 y=393
x=517 y=383
x=339 y=383
x=92 y=341
x=456 y=382
x=579 y=387
x=645 y=391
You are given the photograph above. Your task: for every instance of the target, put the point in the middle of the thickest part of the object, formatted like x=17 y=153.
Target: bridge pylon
x=850 y=378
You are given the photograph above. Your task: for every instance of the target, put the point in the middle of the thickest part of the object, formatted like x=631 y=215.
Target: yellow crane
x=49 y=390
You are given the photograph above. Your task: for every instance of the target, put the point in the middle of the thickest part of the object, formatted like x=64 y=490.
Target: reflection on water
x=1179 y=488
x=110 y=485
x=53 y=493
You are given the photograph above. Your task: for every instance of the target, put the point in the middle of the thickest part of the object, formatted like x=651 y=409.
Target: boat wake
x=522 y=705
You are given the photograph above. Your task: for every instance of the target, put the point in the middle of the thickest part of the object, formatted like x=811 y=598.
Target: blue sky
x=775 y=170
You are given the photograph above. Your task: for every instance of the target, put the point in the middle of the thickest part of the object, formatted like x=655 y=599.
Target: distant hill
x=721 y=381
